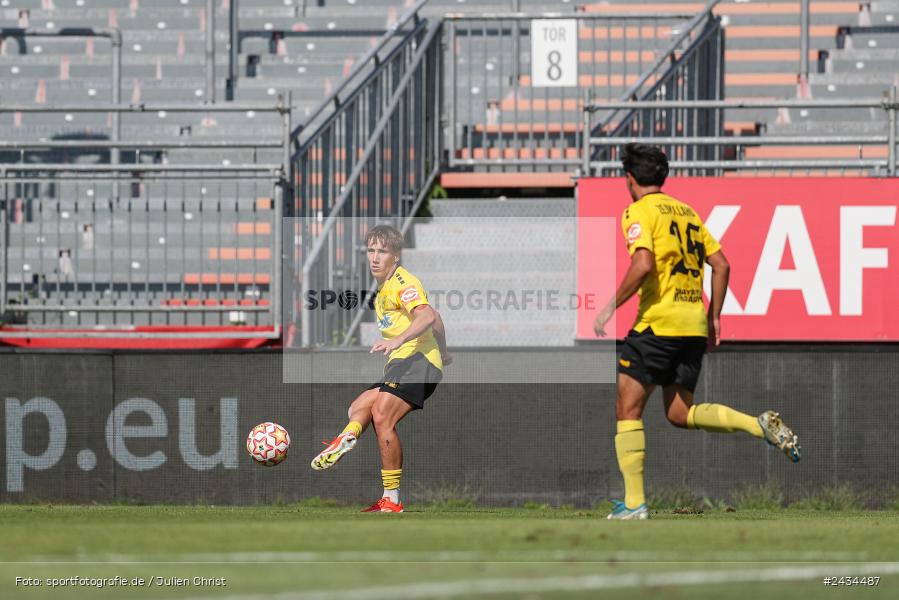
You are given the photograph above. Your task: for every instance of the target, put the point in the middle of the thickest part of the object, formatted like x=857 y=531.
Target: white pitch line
x=453 y=589
x=547 y=556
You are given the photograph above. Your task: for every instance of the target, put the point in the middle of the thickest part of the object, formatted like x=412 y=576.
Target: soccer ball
x=267 y=443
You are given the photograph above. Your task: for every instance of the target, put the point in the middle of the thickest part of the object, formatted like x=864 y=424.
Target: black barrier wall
x=171 y=427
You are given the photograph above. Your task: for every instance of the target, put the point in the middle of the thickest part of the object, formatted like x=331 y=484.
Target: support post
x=891 y=135
x=210 y=51
x=233 y=50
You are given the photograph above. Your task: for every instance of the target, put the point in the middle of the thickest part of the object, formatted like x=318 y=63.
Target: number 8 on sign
x=554 y=73
x=554 y=53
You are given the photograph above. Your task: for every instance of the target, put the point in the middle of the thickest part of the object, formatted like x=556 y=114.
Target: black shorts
x=413 y=379
x=662 y=360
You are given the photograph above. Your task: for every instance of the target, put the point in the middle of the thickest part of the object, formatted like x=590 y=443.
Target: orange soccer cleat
x=384 y=505
x=337 y=447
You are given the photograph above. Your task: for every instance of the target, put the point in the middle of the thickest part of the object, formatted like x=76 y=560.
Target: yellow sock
x=391 y=478
x=355 y=427
x=630 y=446
x=722 y=419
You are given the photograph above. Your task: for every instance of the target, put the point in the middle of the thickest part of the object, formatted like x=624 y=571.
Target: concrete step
x=861 y=91
x=424 y=260
x=524 y=207
x=465 y=280
x=820 y=127
x=861 y=39
x=549 y=232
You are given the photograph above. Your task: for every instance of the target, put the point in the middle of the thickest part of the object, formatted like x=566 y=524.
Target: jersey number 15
x=693 y=253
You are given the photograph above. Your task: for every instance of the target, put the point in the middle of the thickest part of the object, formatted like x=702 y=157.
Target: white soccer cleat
x=779 y=435
x=620 y=512
x=337 y=447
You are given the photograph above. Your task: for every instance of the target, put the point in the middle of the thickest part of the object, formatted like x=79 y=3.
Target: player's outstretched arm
x=423 y=317
x=720 y=277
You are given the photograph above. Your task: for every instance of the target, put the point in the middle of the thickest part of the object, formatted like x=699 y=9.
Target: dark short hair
x=389 y=236
x=647 y=164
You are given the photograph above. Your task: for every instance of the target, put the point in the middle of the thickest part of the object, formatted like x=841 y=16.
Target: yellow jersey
x=671 y=295
x=394 y=304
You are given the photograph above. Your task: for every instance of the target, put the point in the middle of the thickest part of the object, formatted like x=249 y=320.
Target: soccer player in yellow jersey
x=669 y=247
x=415 y=344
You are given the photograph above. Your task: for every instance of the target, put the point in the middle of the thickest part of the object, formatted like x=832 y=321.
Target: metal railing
x=734 y=149
x=374 y=158
x=115 y=39
x=396 y=33
x=186 y=244
x=693 y=70
x=498 y=118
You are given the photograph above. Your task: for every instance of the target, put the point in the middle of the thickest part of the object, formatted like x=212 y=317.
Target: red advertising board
x=812 y=259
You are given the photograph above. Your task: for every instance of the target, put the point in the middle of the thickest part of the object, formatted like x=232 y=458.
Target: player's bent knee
x=363 y=401
x=382 y=419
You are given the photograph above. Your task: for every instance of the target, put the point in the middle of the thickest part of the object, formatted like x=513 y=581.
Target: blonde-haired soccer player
x=415 y=343
x=669 y=247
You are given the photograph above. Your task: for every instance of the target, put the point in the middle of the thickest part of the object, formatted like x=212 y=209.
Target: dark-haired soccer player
x=415 y=343
x=669 y=246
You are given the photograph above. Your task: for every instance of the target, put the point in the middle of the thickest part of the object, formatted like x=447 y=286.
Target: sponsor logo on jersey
x=385 y=322
x=408 y=295
x=633 y=233
x=624 y=363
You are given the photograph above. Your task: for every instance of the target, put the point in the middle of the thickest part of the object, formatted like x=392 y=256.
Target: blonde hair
x=389 y=236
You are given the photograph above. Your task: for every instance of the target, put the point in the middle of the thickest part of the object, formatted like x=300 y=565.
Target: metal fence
x=374 y=158
x=500 y=116
x=103 y=247
x=728 y=154
x=696 y=73
x=115 y=40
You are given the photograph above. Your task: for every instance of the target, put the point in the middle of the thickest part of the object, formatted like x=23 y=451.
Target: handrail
x=363 y=62
x=302 y=129
x=824 y=103
x=688 y=50
x=100 y=108
x=521 y=16
x=664 y=56
x=686 y=55
x=887 y=103
x=157 y=145
x=838 y=140
x=773 y=164
x=135 y=168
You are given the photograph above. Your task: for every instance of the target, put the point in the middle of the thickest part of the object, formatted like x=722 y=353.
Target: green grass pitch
x=325 y=552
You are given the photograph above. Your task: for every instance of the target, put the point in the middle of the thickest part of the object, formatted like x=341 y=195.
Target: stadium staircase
x=501 y=246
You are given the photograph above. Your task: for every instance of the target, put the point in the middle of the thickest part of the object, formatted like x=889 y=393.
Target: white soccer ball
x=267 y=443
